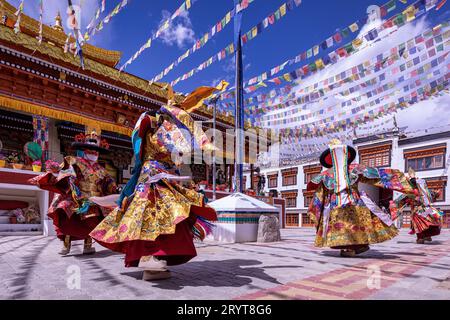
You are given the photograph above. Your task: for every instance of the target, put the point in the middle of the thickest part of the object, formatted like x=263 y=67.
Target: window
x=376 y=159
x=273 y=181
x=309 y=176
x=255 y=182
x=425 y=158
x=292 y=219
x=440 y=194
x=308 y=200
x=311 y=171
x=289 y=177
x=291 y=202
x=306 y=220
x=375 y=155
x=291 y=199
x=437 y=185
x=290 y=180
x=425 y=163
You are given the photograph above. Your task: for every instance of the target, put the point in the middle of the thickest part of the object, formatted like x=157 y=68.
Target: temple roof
x=58 y=37
x=97 y=60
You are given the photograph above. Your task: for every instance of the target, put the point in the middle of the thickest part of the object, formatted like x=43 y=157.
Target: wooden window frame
x=269 y=178
x=311 y=171
x=425 y=152
x=291 y=217
x=373 y=151
x=307 y=195
x=290 y=195
x=437 y=183
x=294 y=176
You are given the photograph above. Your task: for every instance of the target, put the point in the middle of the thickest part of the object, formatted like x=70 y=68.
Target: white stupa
x=238 y=216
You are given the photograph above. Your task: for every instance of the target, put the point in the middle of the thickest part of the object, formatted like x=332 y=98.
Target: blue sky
x=309 y=24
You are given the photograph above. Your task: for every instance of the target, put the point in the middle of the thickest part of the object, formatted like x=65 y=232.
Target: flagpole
x=239 y=118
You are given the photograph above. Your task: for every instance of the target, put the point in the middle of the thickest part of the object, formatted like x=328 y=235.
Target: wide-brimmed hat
x=327 y=161
x=90 y=142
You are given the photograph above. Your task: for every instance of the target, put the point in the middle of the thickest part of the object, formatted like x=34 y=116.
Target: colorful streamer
x=106 y=20
x=250 y=35
x=18 y=14
x=368 y=95
x=40 y=127
x=94 y=19
x=199 y=43
x=422 y=93
x=381 y=77
x=347 y=50
x=41 y=14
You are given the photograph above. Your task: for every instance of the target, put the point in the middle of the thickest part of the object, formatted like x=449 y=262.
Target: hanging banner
x=40 y=128
x=41 y=13
x=201 y=42
x=94 y=19
x=415 y=95
x=370 y=82
x=333 y=57
x=378 y=63
x=18 y=14
x=106 y=20
x=251 y=34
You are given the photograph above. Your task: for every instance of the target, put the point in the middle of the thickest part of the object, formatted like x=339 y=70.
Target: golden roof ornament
x=58 y=23
x=335 y=142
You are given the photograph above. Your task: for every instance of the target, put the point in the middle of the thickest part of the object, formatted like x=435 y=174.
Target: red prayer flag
x=337 y=37
x=342 y=52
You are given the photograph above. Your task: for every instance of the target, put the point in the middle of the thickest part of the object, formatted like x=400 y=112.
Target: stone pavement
x=30 y=268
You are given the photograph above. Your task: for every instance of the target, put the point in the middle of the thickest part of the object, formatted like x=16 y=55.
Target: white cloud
x=180 y=32
x=230 y=64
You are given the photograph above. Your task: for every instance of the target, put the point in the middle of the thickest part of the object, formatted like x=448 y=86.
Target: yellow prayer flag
x=188 y=4
x=165 y=25
x=357 y=42
x=319 y=64
x=354 y=27
x=410 y=13
x=254 y=32
x=283 y=9
x=228 y=17
x=287 y=77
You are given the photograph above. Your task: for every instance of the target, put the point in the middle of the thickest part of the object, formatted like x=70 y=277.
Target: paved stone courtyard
x=30 y=268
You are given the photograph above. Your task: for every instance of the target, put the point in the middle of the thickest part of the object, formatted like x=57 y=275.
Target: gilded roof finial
x=58 y=23
x=335 y=142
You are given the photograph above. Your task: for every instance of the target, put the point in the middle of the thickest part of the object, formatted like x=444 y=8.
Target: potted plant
x=2 y=161
x=17 y=216
x=37 y=166
x=14 y=160
x=13 y=219
x=52 y=166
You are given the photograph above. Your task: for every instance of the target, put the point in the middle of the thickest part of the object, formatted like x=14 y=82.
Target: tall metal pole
x=239 y=119
x=214 y=151
x=239 y=116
